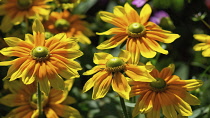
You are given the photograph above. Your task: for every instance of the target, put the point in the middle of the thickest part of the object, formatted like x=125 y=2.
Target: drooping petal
x=134 y=50
x=56 y=82
x=191 y=99
x=154 y=45
x=13 y=100
x=153 y=114
x=206 y=53
x=44 y=85
x=65 y=111
x=50 y=113
x=145 y=50
x=91 y=82
x=102 y=85
x=120 y=85
x=5 y=25
x=183 y=108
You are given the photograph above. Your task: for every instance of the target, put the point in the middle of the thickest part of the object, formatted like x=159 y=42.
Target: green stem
x=204 y=72
x=39 y=100
x=122 y=102
x=205 y=23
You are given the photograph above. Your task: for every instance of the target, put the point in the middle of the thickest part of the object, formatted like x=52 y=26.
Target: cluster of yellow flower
x=43 y=61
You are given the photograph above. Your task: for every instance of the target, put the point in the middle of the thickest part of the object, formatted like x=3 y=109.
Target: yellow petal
x=201 y=46
x=138 y=73
x=65 y=111
x=134 y=50
x=93 y=70
x=111 y=18
x=50 y=113
x=113 y=42
x=12 y=41
x=145 y=13
x=102 y=86
x=101 y=57
x=202 y=37
x=169 y=111
x=154 y=45
x=191 y=99
x=125 y=55
x=91 y=82
x=7 y=51
x=112 y=31
x=145 y=50
x=57 y=82
x=193 y=84
x=183 y=108
x=131 y=14
x=6 y=24
x=44 y=85
x=37 y=27
x=206 y=53
x=29 y=38
x=153 y=114
x=120 y=85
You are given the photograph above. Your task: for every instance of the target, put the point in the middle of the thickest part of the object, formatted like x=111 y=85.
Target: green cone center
x=62 y=25
x=135 y=28
x=115 y=64
x=40 y=52
x=159 y=84
x=24 y=4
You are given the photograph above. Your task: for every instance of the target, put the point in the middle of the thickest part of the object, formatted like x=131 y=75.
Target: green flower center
x=136 y=30
x=115 y=64
x=158 y=85
x=40 y=53
x=24 y=4
x=62 y=25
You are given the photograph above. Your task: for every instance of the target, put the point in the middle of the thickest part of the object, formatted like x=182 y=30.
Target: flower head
x=141 y=35
x=44 y=61
x=72 y=25
x=168 y=94
x=109 y=71
x=204 y=46
x=15 y=11
x=24 y=98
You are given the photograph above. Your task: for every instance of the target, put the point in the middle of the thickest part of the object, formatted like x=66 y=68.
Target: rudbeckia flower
x=110 y=71
x=16 y=11
x=204 y=46
x=141 y=35
x=24 y=99
x=40 y=60
x=72 y=25
x=168 y=94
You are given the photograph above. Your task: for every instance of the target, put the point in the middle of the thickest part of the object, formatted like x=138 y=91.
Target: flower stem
x=207 y=25
x=122 y=102
x=39 y=100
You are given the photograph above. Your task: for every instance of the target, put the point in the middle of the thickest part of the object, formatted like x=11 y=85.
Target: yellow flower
x=70 y=24
x=168 y=94
x=24 y=99
x=109 y=71
x=44 y=61
x=204 y=46
x=141 y=35
x=15 y=11
x=67 y=4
